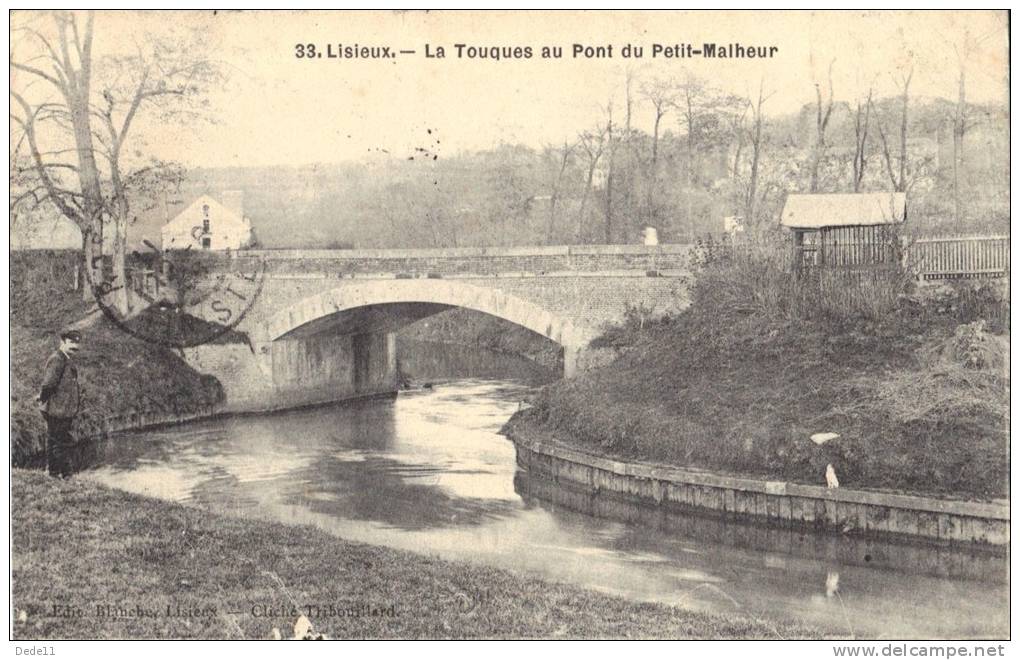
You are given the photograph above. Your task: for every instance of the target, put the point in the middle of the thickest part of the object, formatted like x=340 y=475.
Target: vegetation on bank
x=82 y=547
x=916 y=384
x=119 y=374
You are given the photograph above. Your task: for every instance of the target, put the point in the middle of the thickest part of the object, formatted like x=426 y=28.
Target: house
x=210 y=225
x=857 y=229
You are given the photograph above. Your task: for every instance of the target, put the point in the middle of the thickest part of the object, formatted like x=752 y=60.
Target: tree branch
x=52 y=190
x=38 y=72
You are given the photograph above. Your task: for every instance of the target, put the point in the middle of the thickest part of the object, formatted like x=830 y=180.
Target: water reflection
x=428 y=472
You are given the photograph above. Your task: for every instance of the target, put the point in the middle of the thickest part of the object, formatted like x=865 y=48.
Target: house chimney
x=234 y=200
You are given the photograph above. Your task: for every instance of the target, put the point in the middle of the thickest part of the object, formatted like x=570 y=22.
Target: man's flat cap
x=73 y=335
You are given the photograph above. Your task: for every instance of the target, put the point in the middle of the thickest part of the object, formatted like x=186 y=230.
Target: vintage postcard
x=511 y=325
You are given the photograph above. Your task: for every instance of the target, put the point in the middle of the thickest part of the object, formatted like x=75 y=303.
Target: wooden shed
x=845 y=230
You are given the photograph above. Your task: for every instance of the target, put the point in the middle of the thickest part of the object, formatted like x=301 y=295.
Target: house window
x=205 y=221
x=206 y=242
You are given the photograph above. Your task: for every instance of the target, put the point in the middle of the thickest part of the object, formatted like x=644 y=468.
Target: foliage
x=918 y=391
x=515 y=195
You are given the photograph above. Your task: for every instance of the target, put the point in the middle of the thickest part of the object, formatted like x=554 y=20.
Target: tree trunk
x=550 y=229
x=119 y=281
x=690 y=169
x=608 y=231
x=584 y=200
x=654 y=177
x=903 y=136
x=752 y=187
x=959 y=130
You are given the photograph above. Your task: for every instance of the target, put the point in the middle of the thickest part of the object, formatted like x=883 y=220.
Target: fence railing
x=927 y=257
x=950 y=257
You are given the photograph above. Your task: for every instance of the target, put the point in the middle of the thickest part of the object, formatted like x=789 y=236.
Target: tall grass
x=758 y=278
x=915 y=385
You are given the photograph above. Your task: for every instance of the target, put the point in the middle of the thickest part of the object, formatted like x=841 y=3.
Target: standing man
x=59 y=400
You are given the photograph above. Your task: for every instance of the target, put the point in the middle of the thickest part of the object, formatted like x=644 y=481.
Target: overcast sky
x=280 y=109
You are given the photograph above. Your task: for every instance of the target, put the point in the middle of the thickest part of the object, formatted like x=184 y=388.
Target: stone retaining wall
x=777 y=503
x=142 y=421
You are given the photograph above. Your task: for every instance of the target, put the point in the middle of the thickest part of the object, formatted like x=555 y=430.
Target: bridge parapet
x=323 y=324
x=488 y=261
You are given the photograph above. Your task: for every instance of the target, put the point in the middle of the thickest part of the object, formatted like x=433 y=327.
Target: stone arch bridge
x=322 y=327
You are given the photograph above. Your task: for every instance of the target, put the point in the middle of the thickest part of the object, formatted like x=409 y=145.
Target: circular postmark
x=177 y=297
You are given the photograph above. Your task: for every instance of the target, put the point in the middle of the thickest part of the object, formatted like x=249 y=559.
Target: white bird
x=830 y=477
x=831 y=584
x=822 y=438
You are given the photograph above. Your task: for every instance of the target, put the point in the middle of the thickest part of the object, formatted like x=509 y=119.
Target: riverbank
x=915 y=393
x=121 y=377
x=945 y=523
x=83 y=551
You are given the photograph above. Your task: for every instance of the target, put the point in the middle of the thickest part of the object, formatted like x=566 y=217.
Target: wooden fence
x=851 y=249
x=951 y=257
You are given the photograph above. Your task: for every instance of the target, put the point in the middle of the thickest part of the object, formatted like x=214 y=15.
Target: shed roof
x=843 y=210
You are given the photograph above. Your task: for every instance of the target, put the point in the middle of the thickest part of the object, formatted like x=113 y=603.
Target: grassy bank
x=81 y=547
x=916 y=384
x=118 y=373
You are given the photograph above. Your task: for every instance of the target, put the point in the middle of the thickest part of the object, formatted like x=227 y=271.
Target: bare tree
x=593 y=144
x=862 y=117
x=961 y=124
x=757 y=140
x=89 y=110
x=630 y=140
x=737 y=121
x=662 y=94
x=700 y=106
x=822 y=115
x=691 y=98
x=69 y=65
x=611 y=144
x=563 y=155
x=899 y=183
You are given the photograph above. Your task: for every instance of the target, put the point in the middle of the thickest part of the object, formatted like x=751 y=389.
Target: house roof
x=817 y=211
x=193 y=213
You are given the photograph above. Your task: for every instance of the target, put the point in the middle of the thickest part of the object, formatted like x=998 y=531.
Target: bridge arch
x=439 y=293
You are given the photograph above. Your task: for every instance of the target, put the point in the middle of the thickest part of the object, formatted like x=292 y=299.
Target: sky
x=279 y=109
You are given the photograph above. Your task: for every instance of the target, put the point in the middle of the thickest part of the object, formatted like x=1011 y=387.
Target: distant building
x=208 y=224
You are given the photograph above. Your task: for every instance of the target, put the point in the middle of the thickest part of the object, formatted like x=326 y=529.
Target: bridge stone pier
x=323 y=326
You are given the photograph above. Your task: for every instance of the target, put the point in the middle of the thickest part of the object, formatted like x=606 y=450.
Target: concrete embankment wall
x=776 y=503
x=299 y=372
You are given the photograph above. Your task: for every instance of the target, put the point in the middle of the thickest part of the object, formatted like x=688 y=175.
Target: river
x=428 y=472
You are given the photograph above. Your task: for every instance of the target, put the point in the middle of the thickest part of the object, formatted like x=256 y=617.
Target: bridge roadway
x=323 y=325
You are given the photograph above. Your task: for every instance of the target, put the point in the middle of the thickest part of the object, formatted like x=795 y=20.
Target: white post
x=570 y=359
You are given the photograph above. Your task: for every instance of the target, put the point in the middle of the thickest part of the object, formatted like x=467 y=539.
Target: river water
x=428 y=472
